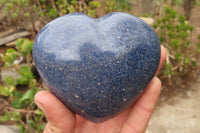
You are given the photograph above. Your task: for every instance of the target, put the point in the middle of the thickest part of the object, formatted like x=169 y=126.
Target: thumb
x=60 y=118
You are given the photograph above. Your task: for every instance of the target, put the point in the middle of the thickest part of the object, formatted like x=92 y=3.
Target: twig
x=176 y=67
x=38 y=3
x=80 y=5
x=53 y=4
x=171 y=56
x=24 y=125
x=20 y=110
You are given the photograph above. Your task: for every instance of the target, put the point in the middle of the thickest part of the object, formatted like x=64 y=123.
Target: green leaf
x=194 y=63
x=33 y=83
x=27 y=14
x=173 y=73
x=155 y=26
x=158 y=21
x=19 y=43
x=162 y=39
x=171 y=34
x=162 y=26
x=52 y=13
x=167 y=10
x=187 y=60
x=177 y=27
x=166 y=72
x=168 y=66
x=38 y=112
x=10 y=56
x=170 y=26
x=94 y=4
x=15 y=116
x=183 y=34
x=178 y=56
x=17 y=104
x=17 y=94
x=91 y=13
x=31 y=123
x=29 y=95
x=176 y=43
x=173 y=14
x=188 y=43
x=181 y=19
x=27 y=47
x=5 y=117
x=6 y=91
x=25 y=75
x=24 y=45
x=183 y=27
x=71 y=9
x=9 y=80
x=163 y=20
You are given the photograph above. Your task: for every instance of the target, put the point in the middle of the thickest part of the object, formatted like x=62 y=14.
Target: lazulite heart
x=97 y=67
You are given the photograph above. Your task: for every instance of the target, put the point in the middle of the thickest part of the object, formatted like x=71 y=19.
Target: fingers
x=143 y=108
x=60 y=118
x=162 y=58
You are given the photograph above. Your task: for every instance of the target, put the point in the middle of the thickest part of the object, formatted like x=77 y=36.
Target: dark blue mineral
x=97 y=67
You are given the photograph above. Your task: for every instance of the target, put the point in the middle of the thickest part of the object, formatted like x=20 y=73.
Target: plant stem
x=39 y=5
x=53 y=4
x=20 y=110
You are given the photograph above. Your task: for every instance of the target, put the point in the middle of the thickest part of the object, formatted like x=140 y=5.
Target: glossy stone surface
x=97 y=67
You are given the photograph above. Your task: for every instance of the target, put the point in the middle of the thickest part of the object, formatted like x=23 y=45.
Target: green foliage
x=9 y=57
x=116 y=5
x=25 y=75
x=24 y=46
x=9 y=80
x=13 y=116
x=6 y=90
x=174 y=32
x=20 y=105
x=18 y=12
x=93 y=6
x=25 y=12
x=168 y=70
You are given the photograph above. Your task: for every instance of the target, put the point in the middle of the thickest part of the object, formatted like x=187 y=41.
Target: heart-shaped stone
x=97 y=67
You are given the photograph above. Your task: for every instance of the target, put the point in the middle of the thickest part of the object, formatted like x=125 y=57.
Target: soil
x=178 y=113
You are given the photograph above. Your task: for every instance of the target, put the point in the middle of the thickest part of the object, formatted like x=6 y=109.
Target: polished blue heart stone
x=97 y=67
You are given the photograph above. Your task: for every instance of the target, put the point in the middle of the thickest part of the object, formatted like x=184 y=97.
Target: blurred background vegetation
x=19 y=80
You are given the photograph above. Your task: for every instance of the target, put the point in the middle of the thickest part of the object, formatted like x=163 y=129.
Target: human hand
x=134 y=119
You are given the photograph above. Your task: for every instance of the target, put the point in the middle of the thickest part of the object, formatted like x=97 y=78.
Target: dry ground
x=180 y=114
